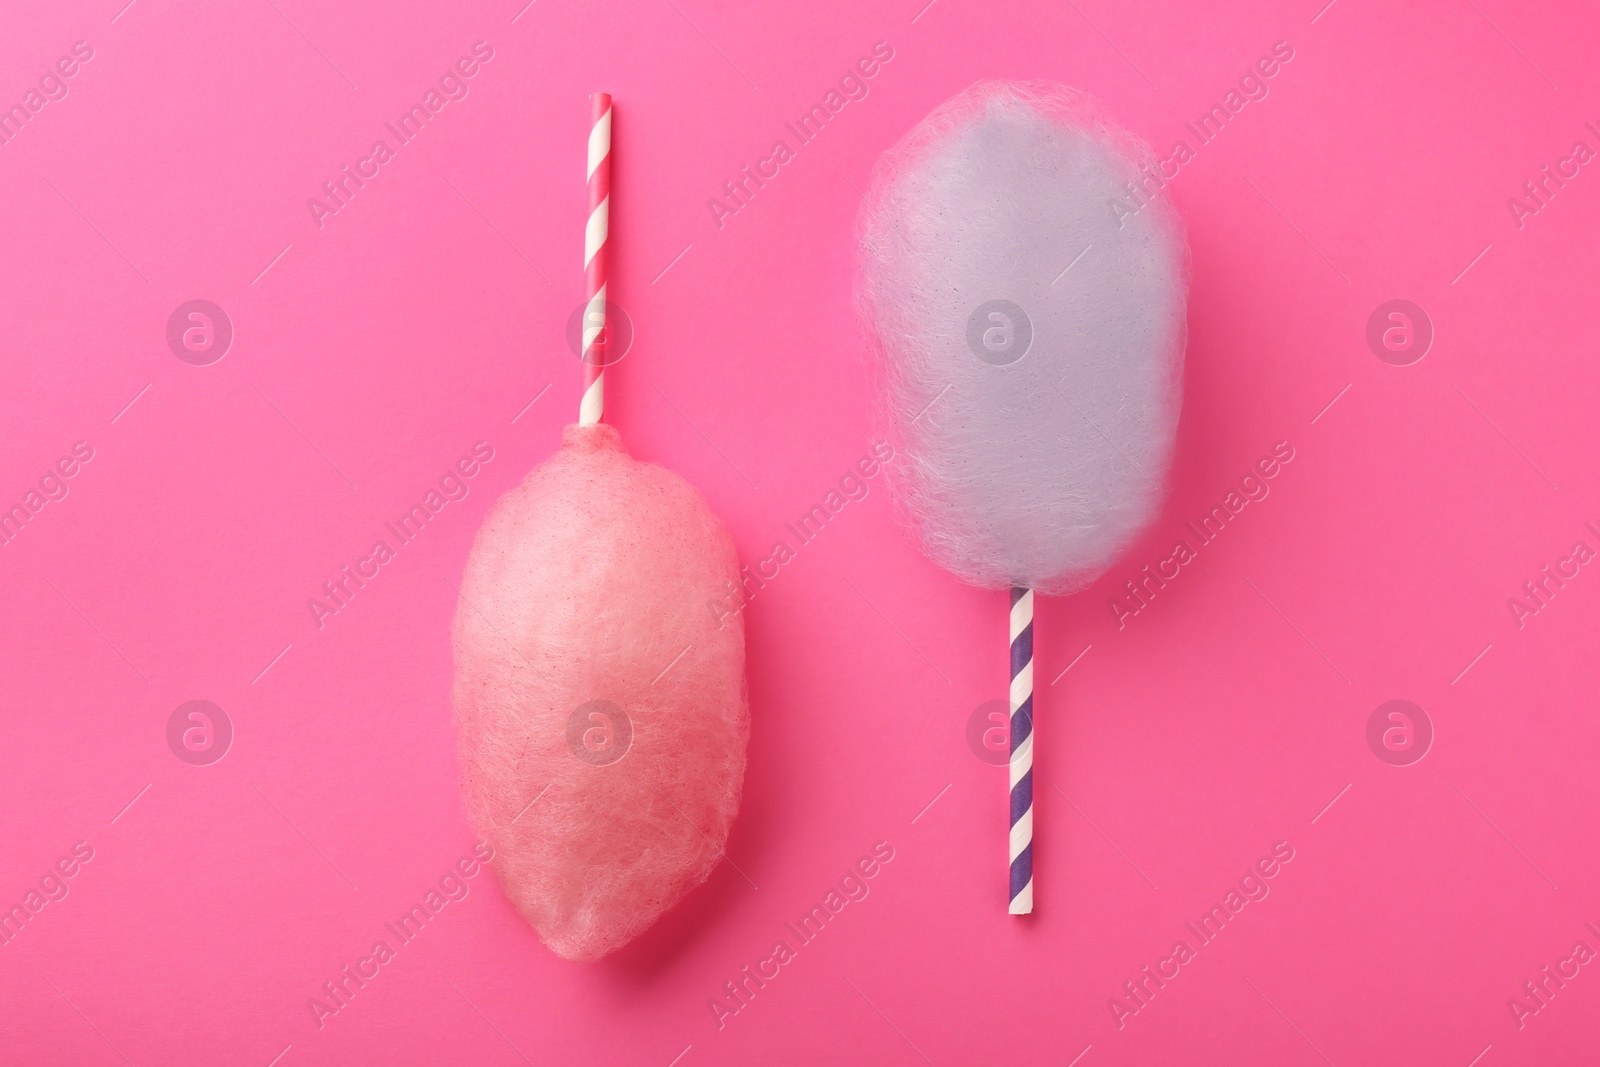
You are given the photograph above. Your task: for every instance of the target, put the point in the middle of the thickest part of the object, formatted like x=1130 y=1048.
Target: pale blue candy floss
x=1022 y=282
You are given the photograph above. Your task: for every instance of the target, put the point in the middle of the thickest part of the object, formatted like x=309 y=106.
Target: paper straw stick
x=595 y=233
x=1021 y=751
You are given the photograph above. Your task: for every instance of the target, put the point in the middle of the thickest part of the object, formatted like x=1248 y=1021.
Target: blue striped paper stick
x=1021 y=751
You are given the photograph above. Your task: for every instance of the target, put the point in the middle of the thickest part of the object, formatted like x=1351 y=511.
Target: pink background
x=429 y=312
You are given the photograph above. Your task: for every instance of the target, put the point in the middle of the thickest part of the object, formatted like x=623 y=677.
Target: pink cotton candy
x=585 y=615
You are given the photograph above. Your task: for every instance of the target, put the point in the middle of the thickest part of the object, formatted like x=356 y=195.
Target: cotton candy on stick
x=1022 y=281
x=601 y=712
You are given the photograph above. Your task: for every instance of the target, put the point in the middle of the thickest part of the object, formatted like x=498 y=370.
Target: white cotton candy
x=1024 y=463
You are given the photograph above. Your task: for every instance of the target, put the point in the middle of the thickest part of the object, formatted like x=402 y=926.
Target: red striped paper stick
x=596 y=231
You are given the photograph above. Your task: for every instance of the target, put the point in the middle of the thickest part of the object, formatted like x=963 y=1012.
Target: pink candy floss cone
x=601 y=714
x=600 y=705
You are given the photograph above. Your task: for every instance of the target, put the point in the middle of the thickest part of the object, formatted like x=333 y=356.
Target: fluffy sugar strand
x=1033 y=470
